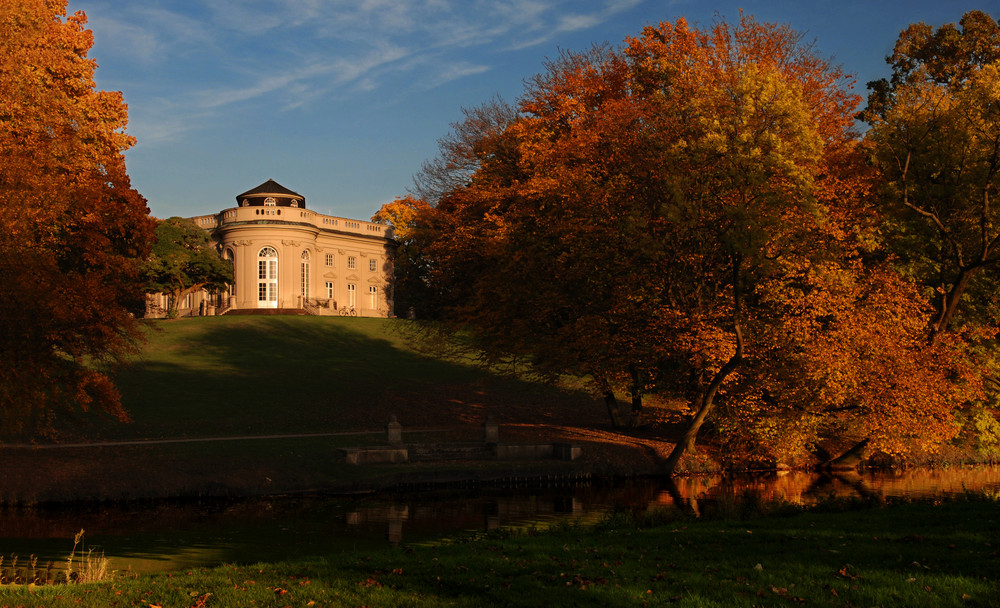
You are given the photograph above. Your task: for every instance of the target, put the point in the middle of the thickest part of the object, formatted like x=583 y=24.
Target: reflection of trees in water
x=691 y=494
x=245 y=527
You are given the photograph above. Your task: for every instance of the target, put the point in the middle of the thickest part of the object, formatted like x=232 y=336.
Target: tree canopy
x=935 y=134
x=185 y=260
x=74 y=231
x=685 y=216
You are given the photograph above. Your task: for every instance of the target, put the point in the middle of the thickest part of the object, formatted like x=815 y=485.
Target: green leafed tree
x=935 y=135
x=185 y=260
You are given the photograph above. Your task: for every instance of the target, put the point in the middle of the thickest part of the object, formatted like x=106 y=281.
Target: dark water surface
x=169 y=536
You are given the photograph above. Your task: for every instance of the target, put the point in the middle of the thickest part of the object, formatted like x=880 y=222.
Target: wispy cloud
x=224 y=53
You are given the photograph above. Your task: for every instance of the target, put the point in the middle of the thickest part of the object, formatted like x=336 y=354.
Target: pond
x=185 y=535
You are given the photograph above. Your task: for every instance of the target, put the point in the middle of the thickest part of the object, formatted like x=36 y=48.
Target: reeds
x=82 y=567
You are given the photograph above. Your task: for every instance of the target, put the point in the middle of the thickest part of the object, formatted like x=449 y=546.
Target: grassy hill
x=291 y=374
x=219 y=388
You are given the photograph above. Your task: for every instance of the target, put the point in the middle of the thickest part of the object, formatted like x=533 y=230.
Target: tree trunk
x=637 y=389
x=849 y=459
x=950 y=301
x=614 y=409
x=707 y=398
x=707 y=401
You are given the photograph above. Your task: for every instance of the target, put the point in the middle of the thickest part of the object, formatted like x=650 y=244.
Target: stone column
x=394 y=431
x=491 y=430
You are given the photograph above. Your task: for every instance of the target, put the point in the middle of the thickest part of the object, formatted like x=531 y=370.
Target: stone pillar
x=394 y=431
x=491 y=430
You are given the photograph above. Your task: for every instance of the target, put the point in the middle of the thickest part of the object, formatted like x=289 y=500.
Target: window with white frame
x=373 y=264
x=267 y=277
x=231 y=291
x=329 y=260
x=329 y=289
x=352 y=262
x=352 y=295
x=373 y=297
x=304 y=275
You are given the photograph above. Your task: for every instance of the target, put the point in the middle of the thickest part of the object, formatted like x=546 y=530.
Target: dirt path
x=100 y=444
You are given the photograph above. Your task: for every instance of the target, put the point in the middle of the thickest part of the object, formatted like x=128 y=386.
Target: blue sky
x=343 y=100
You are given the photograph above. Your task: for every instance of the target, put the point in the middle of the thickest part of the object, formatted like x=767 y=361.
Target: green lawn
x=907 y=554
x=250 y=375
x=253 y=376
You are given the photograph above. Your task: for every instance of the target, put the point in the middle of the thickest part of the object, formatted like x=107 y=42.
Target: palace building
x=286 y=256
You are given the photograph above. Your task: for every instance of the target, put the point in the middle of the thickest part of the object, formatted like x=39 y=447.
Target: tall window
x=373 y=297
x=329 y=259
x=267 y=278
x=352 y=295
x=329 y=289
x=304 y=275
x=352 y=262
x=228 y=255
x=373 y=264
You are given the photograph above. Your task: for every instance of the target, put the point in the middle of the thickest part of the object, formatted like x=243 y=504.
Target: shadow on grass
x=227 y=376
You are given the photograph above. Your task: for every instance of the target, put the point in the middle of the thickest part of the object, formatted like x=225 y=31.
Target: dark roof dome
x=271 y=194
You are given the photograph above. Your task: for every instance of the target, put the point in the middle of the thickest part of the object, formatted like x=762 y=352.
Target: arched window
x=230 y=256
x=270 y=202
x=267 y=278
x=304 y=275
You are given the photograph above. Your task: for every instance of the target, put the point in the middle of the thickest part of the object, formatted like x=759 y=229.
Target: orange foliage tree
x=72 y=230
x=409 y=285
x=633 y=224
x=935 y=137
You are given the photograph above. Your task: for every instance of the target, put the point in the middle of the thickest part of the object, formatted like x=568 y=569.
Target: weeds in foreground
x=88 y=567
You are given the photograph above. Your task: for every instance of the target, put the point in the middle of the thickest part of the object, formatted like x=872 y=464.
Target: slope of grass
x=248 y=375
x=253 y=376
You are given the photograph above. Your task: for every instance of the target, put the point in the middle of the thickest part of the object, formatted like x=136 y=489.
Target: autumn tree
x=935 y=132
x=72 y=229
x=477 y=137
x=621 y=228
x=409 y=285
x=184 y=260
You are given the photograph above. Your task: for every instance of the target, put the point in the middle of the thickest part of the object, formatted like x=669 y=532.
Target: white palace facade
x=285 y=256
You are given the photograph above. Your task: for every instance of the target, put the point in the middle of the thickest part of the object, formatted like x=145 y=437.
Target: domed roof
x=271 y=193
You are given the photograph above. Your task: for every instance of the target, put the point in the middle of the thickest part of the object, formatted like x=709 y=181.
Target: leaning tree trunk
x=707 y=399
x=849 y=459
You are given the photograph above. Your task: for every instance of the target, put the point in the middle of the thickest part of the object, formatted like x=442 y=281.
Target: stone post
x=394 y=431
x=491 y=430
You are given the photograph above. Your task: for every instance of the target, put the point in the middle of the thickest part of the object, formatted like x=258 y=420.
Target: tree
x=185 y=260
x=73 y=230
x=477 y=137
x=935 y=131
x=410 y=289
x=625 y=224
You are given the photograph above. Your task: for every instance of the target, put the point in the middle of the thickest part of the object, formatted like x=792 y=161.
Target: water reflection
x=185 y=535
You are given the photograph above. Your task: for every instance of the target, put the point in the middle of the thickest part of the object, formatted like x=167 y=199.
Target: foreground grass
x=906 y=554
